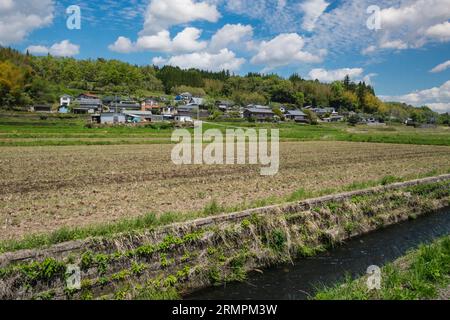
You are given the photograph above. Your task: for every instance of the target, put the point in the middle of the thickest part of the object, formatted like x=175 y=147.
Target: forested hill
x=26 y=79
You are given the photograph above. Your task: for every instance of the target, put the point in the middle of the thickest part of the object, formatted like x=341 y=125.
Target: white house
x=65 y=100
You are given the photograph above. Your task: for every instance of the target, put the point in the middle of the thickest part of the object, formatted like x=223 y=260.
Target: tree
x=353 y=120
x=12 y=80
x=312 y=117
x=279 y=114
x=299 y=99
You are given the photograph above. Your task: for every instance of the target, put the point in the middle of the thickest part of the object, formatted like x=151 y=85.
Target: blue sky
x=402 y=47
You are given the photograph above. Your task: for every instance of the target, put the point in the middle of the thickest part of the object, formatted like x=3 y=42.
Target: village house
x=297 y=116
x=189 y=108
x=108 y=100
x=65 y=100
x=257 y=106
x=321 y=112
x=87 y=103
x=224 y=105
x=150 y=104
x=259 y=114
x=125 y=105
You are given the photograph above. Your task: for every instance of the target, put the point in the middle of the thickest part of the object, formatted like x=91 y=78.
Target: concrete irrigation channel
x=182 y=258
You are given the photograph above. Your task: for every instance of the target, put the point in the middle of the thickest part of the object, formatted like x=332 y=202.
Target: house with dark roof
x=224 y=105
x=296 y=115
x=259 y=114
x=87 y=105
x=125 y=105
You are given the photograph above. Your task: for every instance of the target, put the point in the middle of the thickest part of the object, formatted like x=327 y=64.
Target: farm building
x=259 y=114
x=109 y=118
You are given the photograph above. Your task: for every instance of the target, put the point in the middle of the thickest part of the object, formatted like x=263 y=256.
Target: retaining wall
x=183 y=257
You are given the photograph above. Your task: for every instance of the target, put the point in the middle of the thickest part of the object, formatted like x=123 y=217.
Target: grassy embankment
x=44 y=130
x=422 y=274
x=150 y=266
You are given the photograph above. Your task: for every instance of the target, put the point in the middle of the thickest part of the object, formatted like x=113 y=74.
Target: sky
x=401 y=47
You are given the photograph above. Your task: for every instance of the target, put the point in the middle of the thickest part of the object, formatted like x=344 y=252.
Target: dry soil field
x=46 y=188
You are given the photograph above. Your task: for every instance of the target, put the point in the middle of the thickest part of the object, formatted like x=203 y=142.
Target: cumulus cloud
x=223 y=60
x=441 y=67
x=283 y=50
x=162 y=14
x=188 y=41
x=312 y=10
x=62 y=49
x=20 y=18
x=185 y=41
x=324 y=75
x=230 y=33
x=122 y=45
x=405 y=24
x=437 y=98
x=440 y=32
x=416 y=23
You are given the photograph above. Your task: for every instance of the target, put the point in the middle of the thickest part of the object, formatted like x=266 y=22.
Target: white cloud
x=162 y=14
x=369 y=50
x=394 y=44
x=416 y=23
x=437 y=98
x=441 y=67
x=324 y=75
x=223 y=60
x=122 y=45
x=185 y=41
x=62 y=49
x=19 y=18
x=38 y=50
x=158 y=42
x=283 y=50
x=343 y=29
x=312 y=10
x=230 y=33
x=440 y=32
